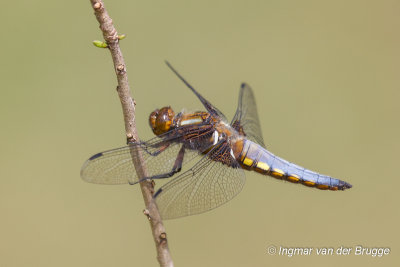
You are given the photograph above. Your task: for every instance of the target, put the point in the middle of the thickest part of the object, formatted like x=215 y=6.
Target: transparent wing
x=115 y=166
x=213 y=181
x=246 y=118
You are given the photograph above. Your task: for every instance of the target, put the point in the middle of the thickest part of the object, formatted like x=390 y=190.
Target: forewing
x=207 y=185
x=246 y=117
x=116 y=167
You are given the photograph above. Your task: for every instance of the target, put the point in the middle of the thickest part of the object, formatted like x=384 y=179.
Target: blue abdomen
x=255 y=157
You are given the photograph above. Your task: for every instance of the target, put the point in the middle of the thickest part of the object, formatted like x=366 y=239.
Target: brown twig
x=128 y=107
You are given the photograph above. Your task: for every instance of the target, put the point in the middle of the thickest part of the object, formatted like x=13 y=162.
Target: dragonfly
x=216 y=152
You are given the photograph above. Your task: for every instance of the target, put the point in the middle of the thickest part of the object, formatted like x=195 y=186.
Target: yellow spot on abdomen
x=247 y=162
x=277 y=173
x=263 y=166
x=293 y=178
x=309 y=183
x=322 y=186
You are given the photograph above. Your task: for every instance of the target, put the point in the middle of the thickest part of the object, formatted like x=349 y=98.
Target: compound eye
x=153 y=118
x=161 y=120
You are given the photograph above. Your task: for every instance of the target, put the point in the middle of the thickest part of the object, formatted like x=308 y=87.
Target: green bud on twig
x=100 y=44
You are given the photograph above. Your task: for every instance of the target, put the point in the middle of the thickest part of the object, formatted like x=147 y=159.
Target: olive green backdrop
x=325 y=74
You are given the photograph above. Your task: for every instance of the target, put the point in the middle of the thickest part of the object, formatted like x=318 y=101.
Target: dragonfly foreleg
x=156 y=152
x=177 y=165
x=176 y=168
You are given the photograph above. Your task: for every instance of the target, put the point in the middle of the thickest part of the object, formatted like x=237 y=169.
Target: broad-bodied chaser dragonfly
x=220 y=151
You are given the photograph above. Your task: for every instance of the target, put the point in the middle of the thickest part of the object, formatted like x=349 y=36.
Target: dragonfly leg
x=176 y=168
x=158 y=151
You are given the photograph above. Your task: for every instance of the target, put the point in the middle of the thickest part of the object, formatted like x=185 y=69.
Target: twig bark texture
x=128 y=107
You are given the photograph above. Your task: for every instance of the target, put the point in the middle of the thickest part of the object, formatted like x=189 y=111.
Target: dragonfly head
x=161 y=120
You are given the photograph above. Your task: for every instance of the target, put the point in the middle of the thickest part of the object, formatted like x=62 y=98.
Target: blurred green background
x=325 y=74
